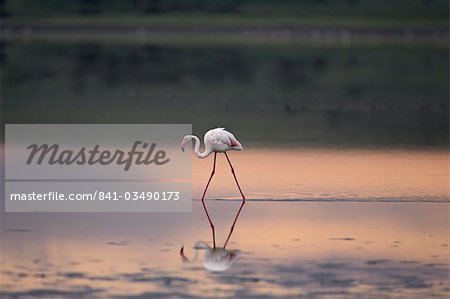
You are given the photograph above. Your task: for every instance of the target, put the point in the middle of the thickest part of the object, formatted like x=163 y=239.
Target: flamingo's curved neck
x=200 y=245
x=205 y=153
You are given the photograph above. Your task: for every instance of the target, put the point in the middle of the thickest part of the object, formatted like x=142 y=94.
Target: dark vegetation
x=381 y=8
x=322 y=83
x=334 y=96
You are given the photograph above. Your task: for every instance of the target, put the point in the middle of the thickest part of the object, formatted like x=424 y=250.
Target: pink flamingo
x=216 y=141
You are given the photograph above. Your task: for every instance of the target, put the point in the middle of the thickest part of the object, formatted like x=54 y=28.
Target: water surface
x=329 y=175
x=287 y=249
x=342 y=223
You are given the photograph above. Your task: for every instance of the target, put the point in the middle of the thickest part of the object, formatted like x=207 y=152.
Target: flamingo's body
x=216 y=141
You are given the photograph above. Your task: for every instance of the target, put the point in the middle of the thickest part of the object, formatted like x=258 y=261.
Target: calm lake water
x=285 y=250
x=329 y=175
x=305 y=236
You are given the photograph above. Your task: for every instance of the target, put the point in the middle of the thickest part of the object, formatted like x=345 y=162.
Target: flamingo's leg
x=242 y=205
x=237 y=183
x=203 y=201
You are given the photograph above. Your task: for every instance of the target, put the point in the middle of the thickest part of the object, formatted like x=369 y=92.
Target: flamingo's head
x=186 y=140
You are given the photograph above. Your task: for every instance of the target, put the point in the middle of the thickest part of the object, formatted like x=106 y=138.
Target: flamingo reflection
x=215 y=258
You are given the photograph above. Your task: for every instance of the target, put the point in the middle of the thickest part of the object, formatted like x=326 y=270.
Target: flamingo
x=217 y=140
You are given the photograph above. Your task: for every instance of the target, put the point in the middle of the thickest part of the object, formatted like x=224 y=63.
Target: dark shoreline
x=278 y=33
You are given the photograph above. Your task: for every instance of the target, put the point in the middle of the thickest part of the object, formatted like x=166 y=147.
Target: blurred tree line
x=44 y=8
x=333 y=96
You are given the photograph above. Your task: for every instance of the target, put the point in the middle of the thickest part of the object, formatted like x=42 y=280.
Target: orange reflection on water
x=327 y=174
x=287 y=234
x=138 y=253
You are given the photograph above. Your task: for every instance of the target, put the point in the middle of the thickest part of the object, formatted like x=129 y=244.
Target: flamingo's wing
x=229 y=139
x=220 y=138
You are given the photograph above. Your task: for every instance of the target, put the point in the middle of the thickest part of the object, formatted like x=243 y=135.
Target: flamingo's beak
x=182 y=149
